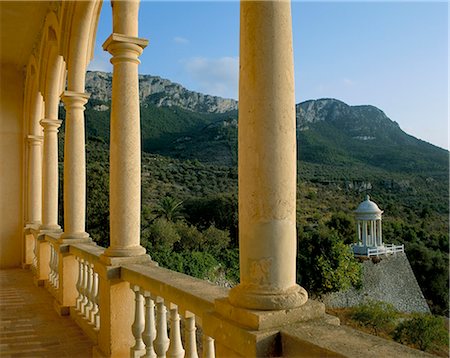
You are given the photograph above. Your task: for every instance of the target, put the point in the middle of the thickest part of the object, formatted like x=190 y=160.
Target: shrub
x=200 y=264
x=375 y=314
x=423 y=331
x=325 y=264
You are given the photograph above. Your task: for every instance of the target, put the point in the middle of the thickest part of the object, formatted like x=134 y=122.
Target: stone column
x=125 y=151
x=358 y=228
x=50 y=175
x=379 y=232
x=364 y=233
x=74 y=166
x=267 y=160
x=34 y=180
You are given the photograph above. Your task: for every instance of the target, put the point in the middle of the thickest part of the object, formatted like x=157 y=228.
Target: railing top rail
x=90 y=251
x=188 y=293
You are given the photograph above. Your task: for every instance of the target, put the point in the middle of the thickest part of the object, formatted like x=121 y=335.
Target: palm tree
x=169 y=209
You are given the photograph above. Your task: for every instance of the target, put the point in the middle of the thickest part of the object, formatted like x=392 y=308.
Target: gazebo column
x=364 y=233
x=358 y=228
x=267 y=160
x=380 y=236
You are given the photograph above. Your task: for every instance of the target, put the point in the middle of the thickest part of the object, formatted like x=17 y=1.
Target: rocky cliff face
x=161 y=92
x=385 y=278
x=363 y=123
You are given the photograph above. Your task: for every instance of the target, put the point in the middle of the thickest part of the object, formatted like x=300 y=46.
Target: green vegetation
x=376 y=315
x=423 y=331
x=325 y=263
x=191 y=159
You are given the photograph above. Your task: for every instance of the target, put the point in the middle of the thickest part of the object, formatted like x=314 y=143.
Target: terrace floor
x=30 y=327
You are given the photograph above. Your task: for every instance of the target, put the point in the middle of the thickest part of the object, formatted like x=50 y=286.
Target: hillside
x=190 y=153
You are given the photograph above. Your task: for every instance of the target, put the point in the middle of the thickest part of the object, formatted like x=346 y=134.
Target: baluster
x=96 y=302
x=50 y=265
x=149 y=334
x=161 y=342
x=208 y=347
x=89 y=303
x=85 y=286
x=94 y=293
x=34 y=265
x=176 y=346
x=190 y=337
x=56 y=269
x=80 y=283
x=138 y=325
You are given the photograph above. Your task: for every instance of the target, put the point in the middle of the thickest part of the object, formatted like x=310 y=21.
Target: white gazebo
x=368 y=228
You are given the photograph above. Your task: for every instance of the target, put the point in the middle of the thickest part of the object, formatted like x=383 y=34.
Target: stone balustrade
x=86 y=311
x=53 y=277
x=159 y=291
x=171 y=310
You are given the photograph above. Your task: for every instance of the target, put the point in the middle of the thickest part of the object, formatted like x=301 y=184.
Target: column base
x=240 y=332
x=84 y=236
x=109 y=260
x=50 y=228
x=125 y=252
x=293 y=297
x=33 y=224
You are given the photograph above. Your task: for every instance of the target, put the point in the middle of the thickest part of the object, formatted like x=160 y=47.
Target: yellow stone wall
x=11 y=166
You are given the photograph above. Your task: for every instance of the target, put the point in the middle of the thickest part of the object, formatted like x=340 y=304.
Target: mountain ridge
x=189 y=125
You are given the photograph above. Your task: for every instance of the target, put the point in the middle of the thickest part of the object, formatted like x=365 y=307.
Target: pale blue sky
x=393 y=55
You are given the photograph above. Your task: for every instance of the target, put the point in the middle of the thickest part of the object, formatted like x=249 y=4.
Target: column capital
x=34 y=139
x=124 y=48
x=74 y=99
x=50 y=125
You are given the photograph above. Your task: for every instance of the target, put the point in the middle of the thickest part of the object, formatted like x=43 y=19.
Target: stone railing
x=157 y=291
x=166 y=312
x=86 y=311
x=53 y=264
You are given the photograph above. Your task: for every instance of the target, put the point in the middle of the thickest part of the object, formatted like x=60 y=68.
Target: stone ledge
x=261 y=320
x=319 y=339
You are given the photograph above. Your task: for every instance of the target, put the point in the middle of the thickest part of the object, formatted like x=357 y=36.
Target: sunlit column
x=34 y=179
x=267 y=160
x=125 y=148
x=51 y=124
x=50 y=175
x=74 y=166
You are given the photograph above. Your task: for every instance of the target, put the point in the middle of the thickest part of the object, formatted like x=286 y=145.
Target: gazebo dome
x=368 y=207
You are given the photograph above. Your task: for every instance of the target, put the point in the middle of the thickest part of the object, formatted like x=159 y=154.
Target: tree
x=169 y=209
x=325 y=264
x=423 y=331
x=344 y=226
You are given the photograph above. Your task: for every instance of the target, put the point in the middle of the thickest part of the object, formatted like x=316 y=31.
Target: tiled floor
x=30 y=327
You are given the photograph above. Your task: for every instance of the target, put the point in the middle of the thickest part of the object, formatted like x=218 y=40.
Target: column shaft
x=125 y=147
x=364 y=234
x=34 y=179
x=379 y=232
x=267 y=160
x=50 y=175
x=74 y=166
